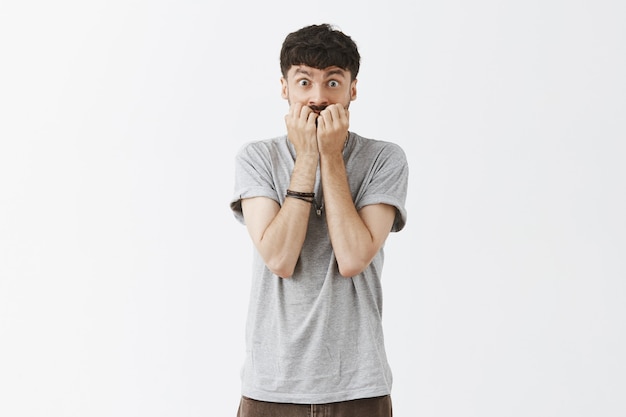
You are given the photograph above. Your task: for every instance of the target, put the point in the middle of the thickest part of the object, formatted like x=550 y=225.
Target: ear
x=284 y=88
x=353 y=90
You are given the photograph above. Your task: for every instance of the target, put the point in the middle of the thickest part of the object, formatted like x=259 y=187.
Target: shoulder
x=268 y=154
x=386 y=150
x=278 y=143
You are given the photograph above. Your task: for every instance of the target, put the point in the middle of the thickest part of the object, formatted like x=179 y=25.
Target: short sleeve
x=252 y=177
x=388 y=183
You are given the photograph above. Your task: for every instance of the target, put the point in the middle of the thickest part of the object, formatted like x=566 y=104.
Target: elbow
x=351 y=269
x=349 y=273
x=353 y=265
x=280 y=269
x=284 y=273
x=279 y=264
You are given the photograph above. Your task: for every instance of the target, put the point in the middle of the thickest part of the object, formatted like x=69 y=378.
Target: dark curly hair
x=320 y=46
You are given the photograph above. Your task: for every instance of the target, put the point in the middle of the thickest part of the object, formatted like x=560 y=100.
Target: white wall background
x=124 y=276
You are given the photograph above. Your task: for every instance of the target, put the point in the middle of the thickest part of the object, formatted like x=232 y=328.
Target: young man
x=318 y=204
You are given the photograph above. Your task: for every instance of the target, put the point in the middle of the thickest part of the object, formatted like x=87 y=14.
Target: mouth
x=317 y=109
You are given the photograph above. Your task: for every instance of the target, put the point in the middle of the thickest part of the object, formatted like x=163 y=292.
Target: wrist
x=308 y=156
x=306 y=164
x=332 y=156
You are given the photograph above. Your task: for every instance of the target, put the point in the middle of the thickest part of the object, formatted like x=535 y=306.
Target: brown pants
x=366 y=407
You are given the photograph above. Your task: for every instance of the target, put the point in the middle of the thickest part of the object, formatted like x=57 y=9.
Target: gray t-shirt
x=317 y=337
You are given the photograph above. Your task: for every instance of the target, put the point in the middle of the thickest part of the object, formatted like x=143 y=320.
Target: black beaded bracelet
x=299 y=194
x=299 y=197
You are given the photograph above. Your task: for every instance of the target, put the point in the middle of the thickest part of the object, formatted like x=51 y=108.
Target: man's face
x=318 y=88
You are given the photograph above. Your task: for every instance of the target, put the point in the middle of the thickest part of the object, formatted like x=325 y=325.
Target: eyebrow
x=336 y=72
x=326 y=75
x=302 y=71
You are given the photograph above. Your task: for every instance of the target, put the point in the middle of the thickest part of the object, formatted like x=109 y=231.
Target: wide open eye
x=303 y=83
x=333 y=83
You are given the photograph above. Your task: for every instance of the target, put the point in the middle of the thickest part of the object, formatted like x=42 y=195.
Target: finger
x=321 y=123
x=334 y=113
x=311 y=118
x=294 y=110
x=327 y=115
x=340 y=112
x=305 y=111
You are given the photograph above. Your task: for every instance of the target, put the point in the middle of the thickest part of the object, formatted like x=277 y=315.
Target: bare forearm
x=280 y=243
x=352 y=241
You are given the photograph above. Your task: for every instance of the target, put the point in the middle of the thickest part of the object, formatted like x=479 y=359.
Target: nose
x=318 y=96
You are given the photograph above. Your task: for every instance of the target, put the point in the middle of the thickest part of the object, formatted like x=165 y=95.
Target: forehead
x=306 y=71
